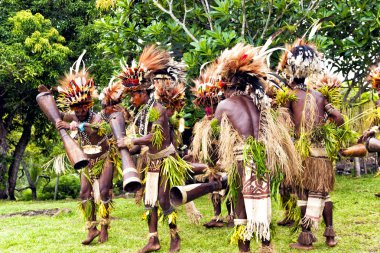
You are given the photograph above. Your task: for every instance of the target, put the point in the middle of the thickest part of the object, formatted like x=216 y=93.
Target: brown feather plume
x=112 y=94
x=206 y=89
x=242 y=58
x=154 y=59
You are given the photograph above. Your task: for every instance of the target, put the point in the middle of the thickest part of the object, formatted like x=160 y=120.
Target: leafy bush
x=68 y=187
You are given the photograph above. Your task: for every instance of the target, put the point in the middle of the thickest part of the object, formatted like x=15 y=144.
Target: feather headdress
x=374 y=76
x=207 y=89
x=77 y=89
x=112 y=94
x=243 y=68
x=154 y=63
x=240 y=62
x=170 y=93
x=301 y=60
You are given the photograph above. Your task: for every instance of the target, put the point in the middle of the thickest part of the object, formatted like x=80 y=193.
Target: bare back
x=297 y=108
x=242 y=113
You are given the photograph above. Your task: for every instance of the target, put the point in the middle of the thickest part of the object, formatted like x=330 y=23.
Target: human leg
x=105 y=183
x=88 y=209
x=328 y=218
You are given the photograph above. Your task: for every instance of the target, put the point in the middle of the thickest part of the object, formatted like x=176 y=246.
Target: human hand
x=73 y=125
x=367 y=134
x=60 y=124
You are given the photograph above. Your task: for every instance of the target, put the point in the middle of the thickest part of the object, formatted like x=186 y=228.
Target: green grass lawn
x=356 y=218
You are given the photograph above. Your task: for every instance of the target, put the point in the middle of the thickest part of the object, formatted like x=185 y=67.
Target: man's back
x=242 y=113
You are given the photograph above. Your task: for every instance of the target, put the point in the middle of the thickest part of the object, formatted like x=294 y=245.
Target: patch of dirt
x=48 y=212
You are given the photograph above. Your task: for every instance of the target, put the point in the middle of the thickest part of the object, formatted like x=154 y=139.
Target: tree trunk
x=17 y=157
x=32 y=185
x=357 y=166
x=56 y=188
x=3 y=165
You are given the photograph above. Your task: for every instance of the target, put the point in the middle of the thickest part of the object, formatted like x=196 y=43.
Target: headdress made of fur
x=154 y=63
x=374 y=76
x=301 y=60
x=77 y=89
x=241 y=65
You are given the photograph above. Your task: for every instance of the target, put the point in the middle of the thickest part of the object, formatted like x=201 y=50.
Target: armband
x=81 y=127
x=129 y=143
x=374 y=129
x=329 y=109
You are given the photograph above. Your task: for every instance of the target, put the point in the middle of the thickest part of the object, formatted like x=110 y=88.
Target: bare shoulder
x=97 y=118
x=226 y=106
x=158 y=106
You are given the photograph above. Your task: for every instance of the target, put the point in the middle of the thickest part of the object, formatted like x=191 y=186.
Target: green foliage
x=285 y=96
x=157 y=135
x=154 y=114
x=68 y=228
x=68 y=187
x=215 y=127
x=332 y=95
x=254 y=156
x=175 y=169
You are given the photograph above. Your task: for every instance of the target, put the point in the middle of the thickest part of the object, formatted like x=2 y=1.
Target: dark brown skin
x=105 y=180
x=245 y=118
x=138 y=99
x=296 y=109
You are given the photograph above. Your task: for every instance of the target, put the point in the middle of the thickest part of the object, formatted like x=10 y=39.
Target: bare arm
x=334 y=114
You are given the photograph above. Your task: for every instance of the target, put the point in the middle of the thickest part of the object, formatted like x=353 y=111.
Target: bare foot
x=286 y=222
x=175 y=243
x=92 y=234
x=214 y=224
x=153 y=245
x=103 y=234
x=330 y=241
x=301 y=246
x=230 y=221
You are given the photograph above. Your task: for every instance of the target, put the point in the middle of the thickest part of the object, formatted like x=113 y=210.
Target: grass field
x=356 y=218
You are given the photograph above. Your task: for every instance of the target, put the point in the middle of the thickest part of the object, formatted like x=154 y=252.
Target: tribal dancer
x=202 y=150
x=172 y=96
x=315 y=121
x=76 y=99
x=251 y=141
x=164 y=167
x=368 y=137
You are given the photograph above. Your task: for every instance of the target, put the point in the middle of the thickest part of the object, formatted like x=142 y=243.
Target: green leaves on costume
x=153 y=115
x=215 y=127
x=157 y=135
x=86 y=208
x=303 y=145
x=240 y=232
x=103 y=128
x=170 y=218
x=104 y=210
x=254 y=152
x=175 y=169
x=97 y=169
x=233 y=183
x=333 y=137
x=332 y=95
x=285 y=96
x=113 y=155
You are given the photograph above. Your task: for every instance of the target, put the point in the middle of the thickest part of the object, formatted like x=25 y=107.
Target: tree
x=32 y=54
